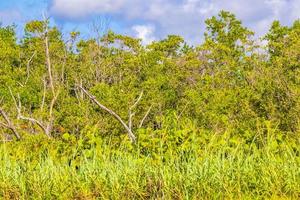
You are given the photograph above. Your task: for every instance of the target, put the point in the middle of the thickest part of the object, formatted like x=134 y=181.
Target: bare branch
x=44 y=94
x=4 y=125
x=130 y=113
x=28 y=66
x=48 y=61
x=32 y=120
x=35 y=122
x=14 y=99
x=116 y=116
x=52 y=103
x=137 y=101
x=145 y=116
x=9 y=124
x=51 y=119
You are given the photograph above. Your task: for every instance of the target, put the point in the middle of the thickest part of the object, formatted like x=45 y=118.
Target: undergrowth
x=222 y=167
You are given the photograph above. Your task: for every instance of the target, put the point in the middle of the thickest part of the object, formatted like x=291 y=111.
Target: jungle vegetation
x=111 y=118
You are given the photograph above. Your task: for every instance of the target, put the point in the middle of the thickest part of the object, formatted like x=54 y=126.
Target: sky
x=147 y=19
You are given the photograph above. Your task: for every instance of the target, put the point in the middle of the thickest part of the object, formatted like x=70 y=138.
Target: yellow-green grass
x=104 y=172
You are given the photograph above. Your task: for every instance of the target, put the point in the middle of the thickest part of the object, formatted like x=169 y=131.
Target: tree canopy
x=227 y=83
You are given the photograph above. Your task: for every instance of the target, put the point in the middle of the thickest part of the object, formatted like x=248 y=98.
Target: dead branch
x=44 y=94
x=51 y=118
x=131 y=135
x=4 y=125
x=130 y=113
x=46 y=127
x=35 y=121
x=145 y=116
x=9 y=124
x=137 y=101
x=28 y=66
x=48 y=61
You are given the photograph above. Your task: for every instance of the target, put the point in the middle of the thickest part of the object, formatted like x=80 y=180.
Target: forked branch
x=130 y=113
x=131 y=135
x=46 y=127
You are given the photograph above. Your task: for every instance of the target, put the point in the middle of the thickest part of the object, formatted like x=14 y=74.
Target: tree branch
x=131 y=135
x=9 y=124
x=145 y=116
x=130 y=113
x=28 y=66
x=32 y=120
x=4 y=125
x=137 y=101
x=48 y=61
x=44 y=94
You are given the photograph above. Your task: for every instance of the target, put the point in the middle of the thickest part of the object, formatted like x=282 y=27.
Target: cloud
x=183 y=17
x=144 y=32
x=76 y=9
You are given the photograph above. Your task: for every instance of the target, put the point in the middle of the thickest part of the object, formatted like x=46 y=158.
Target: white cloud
x=144 y=32
x=183 y=17
x=83 y=8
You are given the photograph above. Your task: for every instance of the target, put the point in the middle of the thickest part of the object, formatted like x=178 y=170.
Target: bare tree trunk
x=44 y=94
x=81 y=92
x=48 y=61
x=51 y=118
x=131 y=135
x=130 y=115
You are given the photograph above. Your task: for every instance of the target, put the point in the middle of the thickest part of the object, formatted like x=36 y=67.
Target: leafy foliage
x=228 y=100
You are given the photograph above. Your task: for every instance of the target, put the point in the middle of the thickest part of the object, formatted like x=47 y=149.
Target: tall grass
x=102 y=172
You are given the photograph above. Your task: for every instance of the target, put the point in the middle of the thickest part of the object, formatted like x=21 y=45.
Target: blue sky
x=149 y=20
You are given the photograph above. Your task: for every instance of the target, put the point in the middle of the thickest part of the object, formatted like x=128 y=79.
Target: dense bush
x=228 y=82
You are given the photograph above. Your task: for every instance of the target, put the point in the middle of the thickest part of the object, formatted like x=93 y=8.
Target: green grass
x=103 y=172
